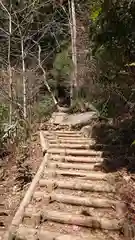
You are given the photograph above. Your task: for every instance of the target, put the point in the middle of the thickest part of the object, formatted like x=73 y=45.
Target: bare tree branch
x=44 y=73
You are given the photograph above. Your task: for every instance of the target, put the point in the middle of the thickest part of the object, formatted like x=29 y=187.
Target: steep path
x=70 y=197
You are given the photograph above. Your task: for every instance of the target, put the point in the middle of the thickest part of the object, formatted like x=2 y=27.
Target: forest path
x=70 y=196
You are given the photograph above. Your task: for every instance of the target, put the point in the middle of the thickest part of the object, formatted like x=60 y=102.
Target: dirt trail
x=11 y=192
x=70 y=197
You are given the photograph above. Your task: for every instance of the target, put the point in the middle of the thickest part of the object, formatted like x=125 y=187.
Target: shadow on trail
x=115 y=141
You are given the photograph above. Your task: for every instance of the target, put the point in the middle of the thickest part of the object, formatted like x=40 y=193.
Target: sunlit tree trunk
x=10 y=73
x=72 y=22
x=24 y=80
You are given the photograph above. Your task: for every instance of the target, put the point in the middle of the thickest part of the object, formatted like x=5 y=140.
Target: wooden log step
x=75 y=185
x=75 y=152
x=25 y=233
x=75 y=200
x=86 y=175
x=76 y=141
x=70 y=145
x=80 y=166
x=43 y=142
x=90 y=159
x=61 y=134
x=65 y=138
x=74 y=219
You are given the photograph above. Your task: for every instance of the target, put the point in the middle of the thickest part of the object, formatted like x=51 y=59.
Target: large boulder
x=58 y=117
x=79 y=119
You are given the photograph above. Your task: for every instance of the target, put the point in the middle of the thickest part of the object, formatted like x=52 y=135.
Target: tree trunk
x=72 y=73
x=10 y=72
x=74 y=56
x=24 y=80
x=44 y=74
x=72 y=23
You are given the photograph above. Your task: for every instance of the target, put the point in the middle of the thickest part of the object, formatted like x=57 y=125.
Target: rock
x=58 y=117
x=121 y=210
x=76 y=228
x=110 y=121
x=79 y=119
x=87 y=131
x=62 y=109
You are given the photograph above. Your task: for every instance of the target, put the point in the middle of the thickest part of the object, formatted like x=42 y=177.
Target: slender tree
x=9 y=60
x=44 y=74
x=72 y=23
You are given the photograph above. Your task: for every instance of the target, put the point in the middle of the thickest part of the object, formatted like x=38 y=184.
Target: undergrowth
x=24 y=170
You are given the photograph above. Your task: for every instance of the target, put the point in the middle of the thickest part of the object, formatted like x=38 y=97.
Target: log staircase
x=70 y=197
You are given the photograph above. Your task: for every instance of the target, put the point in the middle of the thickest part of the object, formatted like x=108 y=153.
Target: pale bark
x=75 y=152
x=75 y=159
x=44 y=143
x=71 y=146
x=62 y=134
x=72 y=24
x=78 y=201
x=80 y=166
x=44 y=74
x=34 y=234
x=85 y=141
x=76 y=219
x=72 y=73
x=85 y=175
x=51 y=137
x=10 y=72
x=24 y=80
x=74 y=185
x=23 y=71
x=74 y=42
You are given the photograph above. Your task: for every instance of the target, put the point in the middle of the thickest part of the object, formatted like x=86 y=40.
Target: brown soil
x=10 y=192
x=126 y=191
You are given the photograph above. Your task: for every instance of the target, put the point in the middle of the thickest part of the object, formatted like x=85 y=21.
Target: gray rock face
x=78 y=119
x=58 y=117
x=87 y=131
